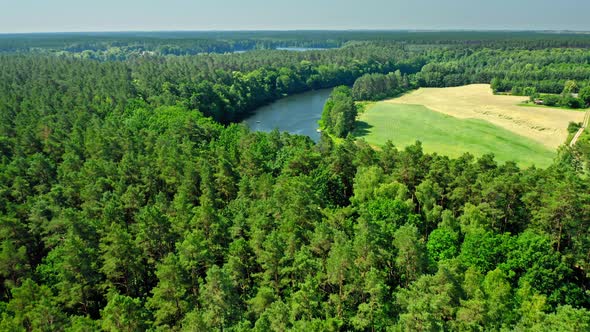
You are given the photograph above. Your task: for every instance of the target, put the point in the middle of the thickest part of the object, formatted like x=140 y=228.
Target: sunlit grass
x=447 y=135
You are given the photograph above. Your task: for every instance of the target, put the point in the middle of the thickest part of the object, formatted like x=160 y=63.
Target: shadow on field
x=361 y=128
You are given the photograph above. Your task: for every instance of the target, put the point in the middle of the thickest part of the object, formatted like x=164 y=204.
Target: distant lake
x=300 y=49
x=293 y=49
x=297 y=114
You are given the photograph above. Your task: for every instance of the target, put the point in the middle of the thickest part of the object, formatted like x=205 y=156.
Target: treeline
x=582 y=149
x=542 y=71
x=571 y=97
x=379 y=86
x=339 y=113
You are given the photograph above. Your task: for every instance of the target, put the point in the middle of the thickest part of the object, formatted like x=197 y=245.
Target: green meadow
x=447 y=135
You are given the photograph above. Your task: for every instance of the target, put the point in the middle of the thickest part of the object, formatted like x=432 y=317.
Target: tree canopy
x=130 y=200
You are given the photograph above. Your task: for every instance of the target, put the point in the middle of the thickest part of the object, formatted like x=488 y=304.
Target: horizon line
x=410 y=30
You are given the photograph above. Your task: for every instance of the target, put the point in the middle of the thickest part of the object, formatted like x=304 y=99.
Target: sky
x=151 y=15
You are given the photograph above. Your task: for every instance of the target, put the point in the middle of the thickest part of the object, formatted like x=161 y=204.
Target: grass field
x=545 y=125
x=403 y=124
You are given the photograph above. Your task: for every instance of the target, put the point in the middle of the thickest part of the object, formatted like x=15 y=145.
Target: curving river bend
x=297 y=114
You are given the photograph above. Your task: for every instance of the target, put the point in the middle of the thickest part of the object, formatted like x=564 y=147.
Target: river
x=297 y=114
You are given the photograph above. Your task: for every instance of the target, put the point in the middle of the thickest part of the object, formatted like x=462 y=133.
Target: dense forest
x=132 y=199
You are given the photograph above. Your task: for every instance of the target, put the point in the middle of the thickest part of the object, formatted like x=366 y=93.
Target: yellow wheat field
x=545 y=125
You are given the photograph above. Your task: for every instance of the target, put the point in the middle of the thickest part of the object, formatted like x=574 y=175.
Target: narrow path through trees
x=581 y=130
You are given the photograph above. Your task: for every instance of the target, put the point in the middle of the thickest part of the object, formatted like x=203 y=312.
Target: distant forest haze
x=154 y=15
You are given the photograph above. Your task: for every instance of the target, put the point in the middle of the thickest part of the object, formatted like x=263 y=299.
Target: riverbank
x=297 y=114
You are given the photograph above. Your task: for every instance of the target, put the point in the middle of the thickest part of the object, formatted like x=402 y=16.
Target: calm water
x=294 y=49
x=300 y=49
x=298 y=114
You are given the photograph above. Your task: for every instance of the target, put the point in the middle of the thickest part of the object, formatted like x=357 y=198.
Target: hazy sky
x=118 y=15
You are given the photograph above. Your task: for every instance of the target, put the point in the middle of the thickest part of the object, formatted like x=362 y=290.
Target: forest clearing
x=545 y=125
x=447 y=135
